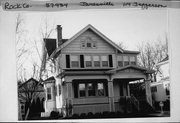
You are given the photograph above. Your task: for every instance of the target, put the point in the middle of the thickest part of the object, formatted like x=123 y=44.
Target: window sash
x=88 y=45
x=91 y=89
x=74 y=63
x=104 y=63
x=100 y=89
x=88 y=61
x=97 y=64
x=49 y=96
x=104 y=60
x=125 y=58
x=126 y=63
x=82 y=90
x=120 y=63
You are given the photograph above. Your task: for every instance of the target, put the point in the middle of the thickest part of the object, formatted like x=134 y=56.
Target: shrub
x=83 y=115
x=105 y=114
x=98 y=115
x=54 y=115
x=75 y=116
x=90 y=115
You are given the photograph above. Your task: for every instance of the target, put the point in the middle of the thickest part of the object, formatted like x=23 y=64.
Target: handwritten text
x=96 y=4
x=16 y=6
x=58 y=5
x=143 y=5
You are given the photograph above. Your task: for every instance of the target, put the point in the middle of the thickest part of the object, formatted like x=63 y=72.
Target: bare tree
x=121 y=45
x=45 y=32
x=151 y=54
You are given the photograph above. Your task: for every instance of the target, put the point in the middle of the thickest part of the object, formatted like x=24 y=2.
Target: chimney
x=59 y=35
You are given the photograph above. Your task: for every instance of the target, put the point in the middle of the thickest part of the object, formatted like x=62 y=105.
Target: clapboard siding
x=102 y=46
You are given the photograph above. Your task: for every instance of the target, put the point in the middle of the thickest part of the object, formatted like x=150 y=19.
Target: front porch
x=107 y=91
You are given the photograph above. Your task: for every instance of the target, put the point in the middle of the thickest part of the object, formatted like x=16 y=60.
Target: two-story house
x=92 y=74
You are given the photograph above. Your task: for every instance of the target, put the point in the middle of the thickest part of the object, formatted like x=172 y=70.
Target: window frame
x=49 y=93
x=95 y=84
x=96 y=61
x=105 y=61
x=131 y=62
x=91 y=60
x=71 y=65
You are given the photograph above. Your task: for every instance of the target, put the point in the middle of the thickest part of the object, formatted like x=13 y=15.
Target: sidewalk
x=160 y=114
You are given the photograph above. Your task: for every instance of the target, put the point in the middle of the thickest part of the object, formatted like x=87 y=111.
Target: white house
x=161 y=88
x=92 y=74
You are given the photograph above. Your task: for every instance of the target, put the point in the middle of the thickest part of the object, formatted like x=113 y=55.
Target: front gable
x=89 y=42
x=130 y=71
x=75 y=46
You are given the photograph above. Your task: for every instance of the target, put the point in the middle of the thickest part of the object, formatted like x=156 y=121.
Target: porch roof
x=144 y=70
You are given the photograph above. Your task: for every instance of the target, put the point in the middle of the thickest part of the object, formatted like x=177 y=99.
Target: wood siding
x=102 y=46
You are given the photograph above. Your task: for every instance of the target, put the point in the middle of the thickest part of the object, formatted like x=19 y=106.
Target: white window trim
x=71 y=61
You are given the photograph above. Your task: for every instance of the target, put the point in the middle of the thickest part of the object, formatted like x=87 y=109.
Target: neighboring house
x=92 y=74
x=26 y=91
x=161 y=88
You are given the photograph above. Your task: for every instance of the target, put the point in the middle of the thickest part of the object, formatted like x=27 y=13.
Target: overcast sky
x=130 y=26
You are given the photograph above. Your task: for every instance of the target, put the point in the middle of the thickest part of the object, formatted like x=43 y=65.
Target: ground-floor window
x=90 y=89
x=49 y=97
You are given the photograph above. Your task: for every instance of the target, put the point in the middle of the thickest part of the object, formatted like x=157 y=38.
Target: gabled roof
x=131 y=66
x=95 y=31
x=49 y=80
x=29 y=80
x=165 y=59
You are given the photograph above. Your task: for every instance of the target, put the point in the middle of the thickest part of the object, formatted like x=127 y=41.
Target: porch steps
x=145 y=107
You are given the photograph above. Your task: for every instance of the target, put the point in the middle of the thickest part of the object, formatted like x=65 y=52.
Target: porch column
x=69 y=98
x=111 y=96
x=148 y=89
x=128 y=90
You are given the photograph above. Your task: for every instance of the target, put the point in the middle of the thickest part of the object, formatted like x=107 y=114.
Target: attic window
x=88 y=43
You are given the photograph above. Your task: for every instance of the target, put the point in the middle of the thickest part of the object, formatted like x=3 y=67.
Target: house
x=161 y=88
x=92 y=74
x=26 y=91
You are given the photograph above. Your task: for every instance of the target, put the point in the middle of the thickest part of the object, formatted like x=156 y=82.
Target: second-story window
x=88 y=61
x=132 y=60
x=104 y=60
x=74 y=61
x=120 y=61
x=96 y=60
x=126 y=60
